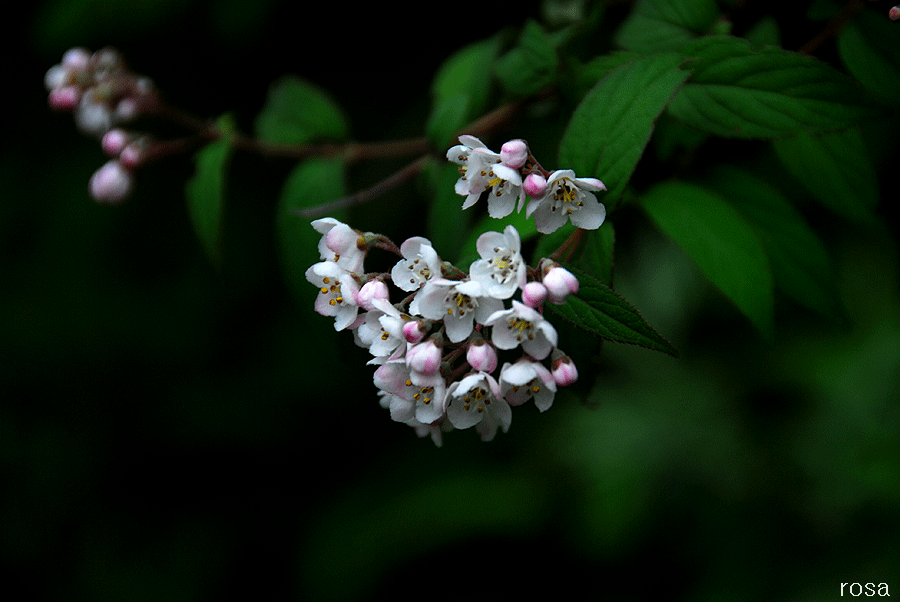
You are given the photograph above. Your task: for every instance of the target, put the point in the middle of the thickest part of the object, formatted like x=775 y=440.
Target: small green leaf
x=656 y=25
x=297 y=111
x=738 y=91
x=801 y=266
x=310 y=183
x=531 y=65
x=836 y=169
x=609 y=130
x=720 y=241
x=599 y=310
x=870 y=49
x=205 y=190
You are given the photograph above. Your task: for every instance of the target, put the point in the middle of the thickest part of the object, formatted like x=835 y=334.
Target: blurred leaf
x=870 y=49
x=297 y=112
x=529 y=66
x=594 y=254
x=311 y=183
x=611 y=127
x=738 y=91
x=601 y=311
x=656 y=25
x=801 y=266
x=765 y=32
x=464 y=80
x=205 y=190
x=587 y=75
x=720 y=241
x=448 y=225
x=836 y=169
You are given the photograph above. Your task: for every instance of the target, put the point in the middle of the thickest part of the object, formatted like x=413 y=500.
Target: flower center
x=477 y=397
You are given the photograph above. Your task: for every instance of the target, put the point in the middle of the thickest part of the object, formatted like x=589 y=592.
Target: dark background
x=173 y=431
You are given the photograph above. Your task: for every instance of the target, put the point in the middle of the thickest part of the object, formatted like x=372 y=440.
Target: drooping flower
x=476 y=401
x=381 y=332
x=501 y=269
x=526 y=379
x=475 y=160
x=458 y=303
x=415 y=395
x=525 y=326
x=420 y=264
x=568 y=198
x=340 y=243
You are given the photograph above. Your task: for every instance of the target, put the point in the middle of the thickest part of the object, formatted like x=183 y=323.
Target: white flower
x=475 y=160
x=415 y=395
x=457 y=303
x=382 y=333
x=420 y=264
x=522 y=325
x=568 y=198
x=337 y=293
x=501 y=270
x=476 y=400
x=340 y=244
x=526 y=379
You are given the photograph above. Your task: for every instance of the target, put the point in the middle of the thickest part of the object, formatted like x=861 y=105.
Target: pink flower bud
x=564 y=371
x=370 y=292
x=424 y=358
x=534 y=294
x=114 y=141
x=414 y=331
x=514 y=153
x=894 y=13
x=111 y=183
x=560 y=283
x=65 y=98
x=535 y=185
x=482 y=356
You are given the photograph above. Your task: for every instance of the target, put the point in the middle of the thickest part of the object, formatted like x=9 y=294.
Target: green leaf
x=738 y=91
x=448 y=225
x=310 y=183
x=801 y=266
x=593 y=255
x=205 y=190
x=656 y=25
x=836 y=169
x=609 y=130
x=601 y=311
x=531 y=65
x=461 y=88
x=297 y=111
x=720 y=241
x=870 y=49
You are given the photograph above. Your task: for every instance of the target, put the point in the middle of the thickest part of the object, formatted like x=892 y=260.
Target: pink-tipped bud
x=534 y=294
x=65 y=98
x=370 y=292
x=564 y=371
x=133 y=154
x=535 y=185
x=414 y=331
x=114 y=141
x=560 y=283
x=514 y=153
x=425 y=358
x=894 y=13
x=482 y=356
x=111 y=183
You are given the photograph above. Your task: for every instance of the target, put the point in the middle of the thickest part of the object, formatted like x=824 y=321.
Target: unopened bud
x=114 y=141
x=482 y=356
x=514 y=153
x=894 y=13
x=535 y=185
x=534 y=294
x=370 y=292
x=564 y=371
x=111 y=183
x=425 y=358
x=65 y=98
x=560 y=283
x=414 y=331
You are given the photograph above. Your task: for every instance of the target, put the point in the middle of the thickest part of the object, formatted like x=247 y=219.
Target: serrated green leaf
x=739 y=91
x=656 y=25
x=297 y=111
x=205 y=190
x=609 y=130
x=601 y=311
x=529 y=66
x=310 y=183
x=836 y=169
x=801 y=266
x=721 y=243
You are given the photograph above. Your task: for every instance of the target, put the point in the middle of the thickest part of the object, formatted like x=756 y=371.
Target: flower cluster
x=102 y=94
x=438 y=350
x=511 y=176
